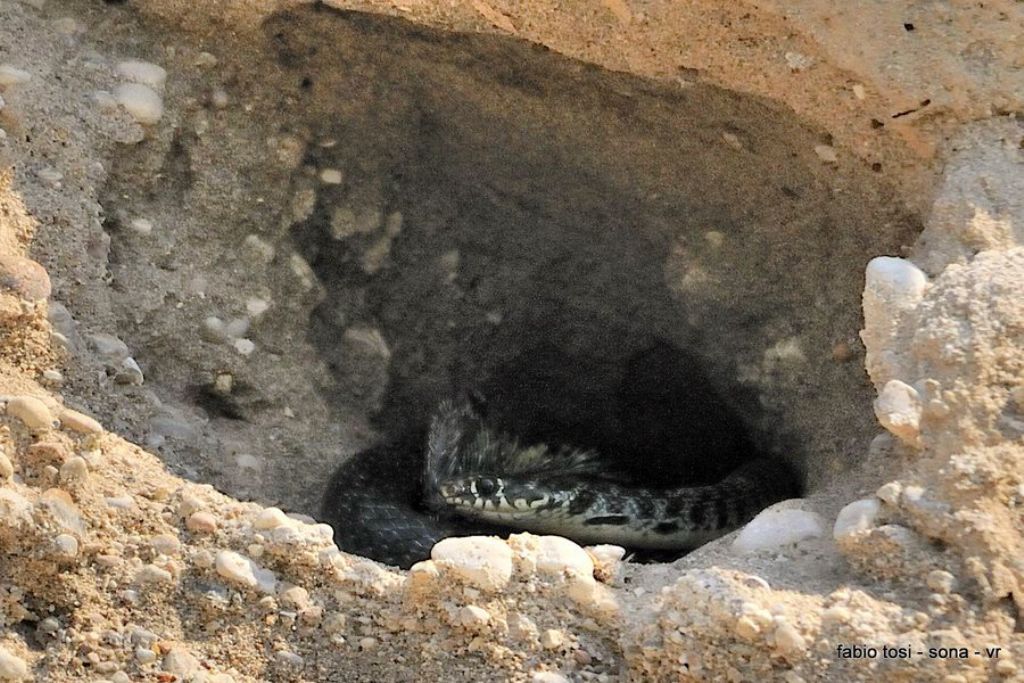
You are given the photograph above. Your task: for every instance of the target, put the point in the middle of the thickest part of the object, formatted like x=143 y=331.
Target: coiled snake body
x=474 y=479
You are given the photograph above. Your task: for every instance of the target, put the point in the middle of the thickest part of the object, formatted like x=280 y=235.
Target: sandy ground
x=186 y=220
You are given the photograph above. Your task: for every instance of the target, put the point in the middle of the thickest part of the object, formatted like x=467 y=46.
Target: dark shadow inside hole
x=657 y=421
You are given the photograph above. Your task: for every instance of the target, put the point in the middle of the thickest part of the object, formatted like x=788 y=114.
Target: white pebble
x=898 y=409
x=151 y=573
x=165 y=544
x=560 y=556
x=896 y=280
x=6 y=467
x=141 y=102
x=12 y=667
x=143 y=226
x=182 y=663
x=219 y=98
x=143 y=655
x=237 y=327
x=74 y=469
x=256 y=307
x=265 y=250
x=331 y=176
x=552 y=639
x=213 y=330
x=79 y=422
x=12 y=75
x=473 y=617
x=860 y=515
x=890 y=493
x=145 y=73
x=31 y=411
x=244 y=346
x=826 y=153
x=66 y=546
x=858 y=91
x=788 y=640
x=481 y=561
x=270 y=518
x=774 y=528
x=129 y=373
x=201 y=522
x=547 y=677
x=241 y=570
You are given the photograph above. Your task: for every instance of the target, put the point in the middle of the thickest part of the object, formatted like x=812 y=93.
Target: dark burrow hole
x=667 y=274
x=659 y=274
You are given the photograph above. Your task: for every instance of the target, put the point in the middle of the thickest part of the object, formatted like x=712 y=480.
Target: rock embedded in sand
x=12 y=667
x=892 y=288
x=484 y=562
x=898 y=409
x=79 y=422
x=32 y=412
x=12 y=75
x=201 y=522
x=146 y=73
x=860 y=515
x=24 y=277
x=141 y=102
x=774 y=528
x=241 y=570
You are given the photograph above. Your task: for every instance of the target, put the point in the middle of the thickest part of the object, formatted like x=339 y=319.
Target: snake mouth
x=487 y=497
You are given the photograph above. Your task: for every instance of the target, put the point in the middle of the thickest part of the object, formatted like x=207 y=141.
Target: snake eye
x=485 y=486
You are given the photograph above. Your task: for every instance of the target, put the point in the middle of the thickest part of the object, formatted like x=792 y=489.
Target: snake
x=464 y=477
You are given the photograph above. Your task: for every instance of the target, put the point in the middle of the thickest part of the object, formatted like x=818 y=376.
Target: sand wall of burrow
x=183 y=249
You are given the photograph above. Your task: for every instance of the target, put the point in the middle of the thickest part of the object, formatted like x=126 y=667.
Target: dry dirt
x=318 y=217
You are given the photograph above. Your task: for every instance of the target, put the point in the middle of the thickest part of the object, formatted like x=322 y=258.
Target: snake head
x=453 y=429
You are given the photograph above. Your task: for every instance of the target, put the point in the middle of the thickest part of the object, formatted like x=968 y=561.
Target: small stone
x=129 y=373
x=732 y=140
x=151 y=573
x=24 y=277
x=289 y=659
x=201 y=523
x=143 y=655
x=79 y=422
x=788 y=641
x=547 y=677
x=244 y=347
x=774 y=528
x=6 y=467
x=368 y=644
x=205 y=60
x=141 y=102
x=32 y=412
x=798 y=62
x=263 y=249
x=859 y=515
x=473 y=617
x=256 y=307
x=74 y=470
x=145 y=73
x=484 y=562
x=898 y=409
x=827 y=154
x=236 y=327
x=109 y=348
x=560 y=556
x=142 y=226
x=270 y=518
x=890 y=493
x=12 y=667
x=165 y=544
x=12 y=75
x=122 y=502
x=53 y=377
x=219 y=98
x=747 y=628
x=213 y=330
x=66 y=546
x=241 y=570
x=607 y=561
x=858 y=91
x=941 y=581
x=552 y=639
x=181 y=663
x=331 y=176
